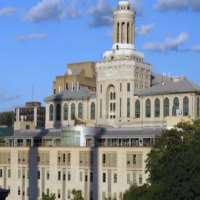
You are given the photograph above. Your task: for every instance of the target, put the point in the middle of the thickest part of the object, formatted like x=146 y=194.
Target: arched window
x=166 y=107
x=73 y=111
x=185 y=106
x=111 y=109
x=80 y=110
x=148 y=108
x=137 y=109
x=175 y=108
x=58 y=112
x=66 y=112
x=118 y=32
x=92 y=111
x=51 y=112
x=157 y=108
x=123 y=35
x=128 y=28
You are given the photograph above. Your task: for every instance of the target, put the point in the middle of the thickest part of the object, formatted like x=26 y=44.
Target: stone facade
x=28 y=173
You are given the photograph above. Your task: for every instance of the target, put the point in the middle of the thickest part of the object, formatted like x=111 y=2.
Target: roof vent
x=177 y=79
x=163 y=83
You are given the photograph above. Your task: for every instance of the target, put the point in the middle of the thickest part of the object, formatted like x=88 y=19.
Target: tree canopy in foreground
x=173 y=165
x=7 y=119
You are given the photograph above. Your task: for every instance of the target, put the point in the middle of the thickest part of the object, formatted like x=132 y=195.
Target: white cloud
x=101 y=14
x=170 y=44
x=144 y=29
x=48 y=10
x=177 y=5
x=35 y=36
x=7 y=11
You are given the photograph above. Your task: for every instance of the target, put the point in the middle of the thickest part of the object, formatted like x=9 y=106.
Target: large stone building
x=125 y=93
x=101 y=122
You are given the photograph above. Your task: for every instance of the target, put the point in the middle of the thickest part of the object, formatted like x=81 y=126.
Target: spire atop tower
x=124 y=25
x=123 y=31
x=124 y=2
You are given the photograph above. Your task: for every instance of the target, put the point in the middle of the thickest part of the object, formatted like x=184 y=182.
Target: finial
x=123 y=2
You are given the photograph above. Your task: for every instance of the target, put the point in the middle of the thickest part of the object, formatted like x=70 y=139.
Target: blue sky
x=39 y=37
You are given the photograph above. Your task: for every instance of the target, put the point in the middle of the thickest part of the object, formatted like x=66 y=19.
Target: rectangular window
x=59 y=194
x=120 y=87
x=131 y=160
x=104 y=177
x=48 y=175
x=86 y=178
x=1 y=173
x=59 y=175
x=115 y=178
x=63 y=158
x=64 y=177
x=128 y=87
x=19 y=191
x=104 y=159
x=59 y=160
x=140 y=179
x=38 y=175
x=69 y=176
x=69 y=158
x=128 y=108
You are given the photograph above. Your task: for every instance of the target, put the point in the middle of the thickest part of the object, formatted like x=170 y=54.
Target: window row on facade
x=69 y=111
x=168 y=110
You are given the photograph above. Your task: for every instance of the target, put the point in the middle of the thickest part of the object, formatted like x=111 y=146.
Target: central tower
x=121 y=72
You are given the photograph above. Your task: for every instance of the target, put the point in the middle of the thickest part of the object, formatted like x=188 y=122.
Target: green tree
x=77 y=195
x=173 y=165
x=48 y=197
x=110 y=198
x=7 y=118
x=137 y=193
